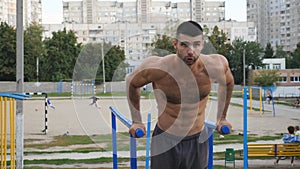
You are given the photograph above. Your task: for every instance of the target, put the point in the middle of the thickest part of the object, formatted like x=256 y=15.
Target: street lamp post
x=244 y=67
x=103 y=68
x=191 y=12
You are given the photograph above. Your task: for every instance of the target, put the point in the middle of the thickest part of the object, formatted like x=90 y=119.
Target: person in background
x=269 y=96
x=297 y=103
x=289 y=138
x=297 y=131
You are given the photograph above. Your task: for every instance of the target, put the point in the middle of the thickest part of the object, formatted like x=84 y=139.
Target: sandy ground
x=77 y=117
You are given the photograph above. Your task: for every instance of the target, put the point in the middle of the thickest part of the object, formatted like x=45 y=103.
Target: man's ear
x=175 y=43
x=202 y=44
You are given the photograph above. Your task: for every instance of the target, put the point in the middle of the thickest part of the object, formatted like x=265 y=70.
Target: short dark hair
x=291 y=129
x=190 y=28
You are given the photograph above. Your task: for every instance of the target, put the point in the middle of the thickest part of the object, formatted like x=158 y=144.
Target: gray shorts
x=173 y=152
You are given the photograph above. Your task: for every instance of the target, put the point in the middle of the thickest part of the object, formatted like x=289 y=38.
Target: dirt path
x=79 y=118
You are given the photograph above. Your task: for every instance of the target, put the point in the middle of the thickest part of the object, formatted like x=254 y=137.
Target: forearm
x=224 y=96
x=133 y=95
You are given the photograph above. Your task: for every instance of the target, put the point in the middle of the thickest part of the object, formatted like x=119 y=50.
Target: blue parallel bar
x=128 y=123
x=122 y=118
x=211 y=152
x=133 y=161
x=245 y=134
x=210 y=128
x=148 y=141
x=114 y=141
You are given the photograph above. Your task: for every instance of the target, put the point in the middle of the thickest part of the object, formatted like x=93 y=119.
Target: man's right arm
x=134 y=81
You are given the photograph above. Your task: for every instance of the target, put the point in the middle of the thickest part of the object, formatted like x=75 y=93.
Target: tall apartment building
x=32 y=11
x=8 y=11
x=277 y=21
x=245 y=31
x=145 y=11
x=213 y=11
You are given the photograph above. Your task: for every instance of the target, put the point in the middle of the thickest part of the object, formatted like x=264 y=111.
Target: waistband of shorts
x=182 y=138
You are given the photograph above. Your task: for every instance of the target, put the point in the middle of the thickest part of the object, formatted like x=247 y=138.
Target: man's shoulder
x=214 y=59
x=157 y=60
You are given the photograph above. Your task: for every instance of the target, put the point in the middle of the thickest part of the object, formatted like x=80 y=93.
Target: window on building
x=276 y=66
x=266 y=67
x=283 y=79
x=294 y=79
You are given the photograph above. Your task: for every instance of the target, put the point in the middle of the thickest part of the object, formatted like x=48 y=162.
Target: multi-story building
x=245 y=31
x=277 y=22
x=133 y=24
x=32 y=11
x=145 y=11
x=136 y=38
x=214 y=11
x=8 y=11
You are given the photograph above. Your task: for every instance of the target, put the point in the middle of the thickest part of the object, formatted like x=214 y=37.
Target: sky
x=52 y=10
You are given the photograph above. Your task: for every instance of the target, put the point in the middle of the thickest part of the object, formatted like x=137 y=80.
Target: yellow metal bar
x=250 y=93
x=5 y=132
x=1 y=132
x=12 y=134
x=260 y=102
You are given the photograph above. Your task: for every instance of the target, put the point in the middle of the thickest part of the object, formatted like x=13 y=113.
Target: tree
x=294 y=61
x=218 y=39
x=162 y=45
x=60 y=58
x=33 y=49
x=252 y=58
x=115 y=67
x=7 y=52
x=266 y=78
x=217 y=42
x=269 y=52
x=89 y=63
x=280 y=53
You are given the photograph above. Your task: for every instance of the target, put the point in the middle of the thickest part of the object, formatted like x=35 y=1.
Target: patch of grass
x=63 y=141
x=123 y=141
x=234 y=138
x=82 y=150
x=72 y=161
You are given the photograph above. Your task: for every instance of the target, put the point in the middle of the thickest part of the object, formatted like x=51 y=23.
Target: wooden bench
x=274 y=150
x=296 y=105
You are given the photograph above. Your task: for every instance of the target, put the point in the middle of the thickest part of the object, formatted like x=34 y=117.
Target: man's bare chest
x=189 y=89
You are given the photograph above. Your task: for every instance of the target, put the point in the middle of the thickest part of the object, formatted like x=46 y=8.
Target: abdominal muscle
x=182 y=119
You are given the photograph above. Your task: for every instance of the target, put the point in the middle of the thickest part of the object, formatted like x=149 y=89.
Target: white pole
x=191 y=13
x=37 y=69
x=103 y=68
x=20 y=86
x=244 y=67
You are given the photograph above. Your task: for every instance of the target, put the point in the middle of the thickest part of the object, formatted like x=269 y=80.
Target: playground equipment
x=46 y=100
x=209 y=127
x=7 y=108
x=261 y=98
